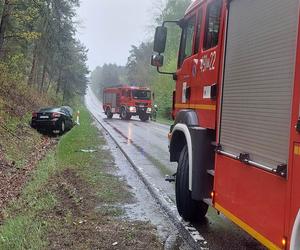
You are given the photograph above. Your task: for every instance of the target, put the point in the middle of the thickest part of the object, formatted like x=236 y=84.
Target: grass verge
x=164 y=120
x=70 y=201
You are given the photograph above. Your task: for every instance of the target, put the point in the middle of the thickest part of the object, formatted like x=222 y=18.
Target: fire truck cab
x=236 y=134
x=127 y=101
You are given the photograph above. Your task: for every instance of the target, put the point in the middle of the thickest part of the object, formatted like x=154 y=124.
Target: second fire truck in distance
x=127 y=101
x=236 y=135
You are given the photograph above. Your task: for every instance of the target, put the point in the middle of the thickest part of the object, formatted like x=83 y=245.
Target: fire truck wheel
x=109 y=114
x=144 y=117
x=124 y=114
x=188 y=208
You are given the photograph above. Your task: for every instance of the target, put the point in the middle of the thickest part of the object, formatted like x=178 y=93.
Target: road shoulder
x=73 y=201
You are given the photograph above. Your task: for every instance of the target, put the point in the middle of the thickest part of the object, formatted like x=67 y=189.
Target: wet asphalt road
x=137 y=209
x=147 y=144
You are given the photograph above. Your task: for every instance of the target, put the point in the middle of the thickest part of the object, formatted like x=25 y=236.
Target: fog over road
x=147 y=145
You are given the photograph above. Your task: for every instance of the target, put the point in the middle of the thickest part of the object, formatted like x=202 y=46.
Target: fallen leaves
x=12 y=179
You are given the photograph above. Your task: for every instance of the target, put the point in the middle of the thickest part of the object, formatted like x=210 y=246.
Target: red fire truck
x=236 y=134
x=127 y=101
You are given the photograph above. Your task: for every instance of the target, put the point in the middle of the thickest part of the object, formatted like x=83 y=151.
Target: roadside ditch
x=85 y=200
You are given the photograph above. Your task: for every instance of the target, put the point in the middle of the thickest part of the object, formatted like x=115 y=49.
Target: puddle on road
x=105 y=147
x=157 y=163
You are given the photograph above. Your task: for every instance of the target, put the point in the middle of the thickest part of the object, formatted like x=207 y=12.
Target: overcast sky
x=109 y=27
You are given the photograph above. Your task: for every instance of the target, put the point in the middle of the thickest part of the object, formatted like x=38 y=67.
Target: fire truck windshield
x=141 y=94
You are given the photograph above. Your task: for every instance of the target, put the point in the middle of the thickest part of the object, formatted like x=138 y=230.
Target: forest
x=40 y=55
x=38 y=49
x=138 y=71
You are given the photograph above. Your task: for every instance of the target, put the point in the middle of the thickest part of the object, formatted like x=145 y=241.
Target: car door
x=69 y=118
x=64 y=113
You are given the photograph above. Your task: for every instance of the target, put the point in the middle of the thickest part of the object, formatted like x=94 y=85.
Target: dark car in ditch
x=53 y=119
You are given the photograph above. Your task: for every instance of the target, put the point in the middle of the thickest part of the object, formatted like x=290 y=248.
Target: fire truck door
x=195 y=62
x=205 y=66
x=186 y=57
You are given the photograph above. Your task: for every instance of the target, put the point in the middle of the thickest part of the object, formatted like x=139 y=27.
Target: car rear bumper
x=45 y=125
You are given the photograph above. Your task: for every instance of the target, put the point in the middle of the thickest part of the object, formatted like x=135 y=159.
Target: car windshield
x=141 y=94
x=51 y=109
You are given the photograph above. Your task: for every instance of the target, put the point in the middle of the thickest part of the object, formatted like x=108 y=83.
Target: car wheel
x=32 y=125
x=62 y=127
x=188 y=208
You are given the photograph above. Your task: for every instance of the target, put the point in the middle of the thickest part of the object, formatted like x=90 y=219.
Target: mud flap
x=203 y=160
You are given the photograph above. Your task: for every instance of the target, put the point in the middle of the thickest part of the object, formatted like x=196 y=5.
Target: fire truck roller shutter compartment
x=258 y=80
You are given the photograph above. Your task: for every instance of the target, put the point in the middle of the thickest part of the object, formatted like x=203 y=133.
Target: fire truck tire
x=144 y=117
x=108 y=113
x=189 y=209
x=124 y=114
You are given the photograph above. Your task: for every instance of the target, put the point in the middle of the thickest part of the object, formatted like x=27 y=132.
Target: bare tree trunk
x=43 y=76
x=64 y=92
x=33 y=66
x=58 y=81
x=36 y=74
x=64 y=96
x=48 y=85
x=3 y=24
x=44 y=52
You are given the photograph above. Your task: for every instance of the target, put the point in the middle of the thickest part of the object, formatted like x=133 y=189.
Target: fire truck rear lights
x=284 y=242
x=213 y=196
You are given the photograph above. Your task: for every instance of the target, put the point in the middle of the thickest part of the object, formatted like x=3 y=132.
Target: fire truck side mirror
x=160 y=39
x=157 y=60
